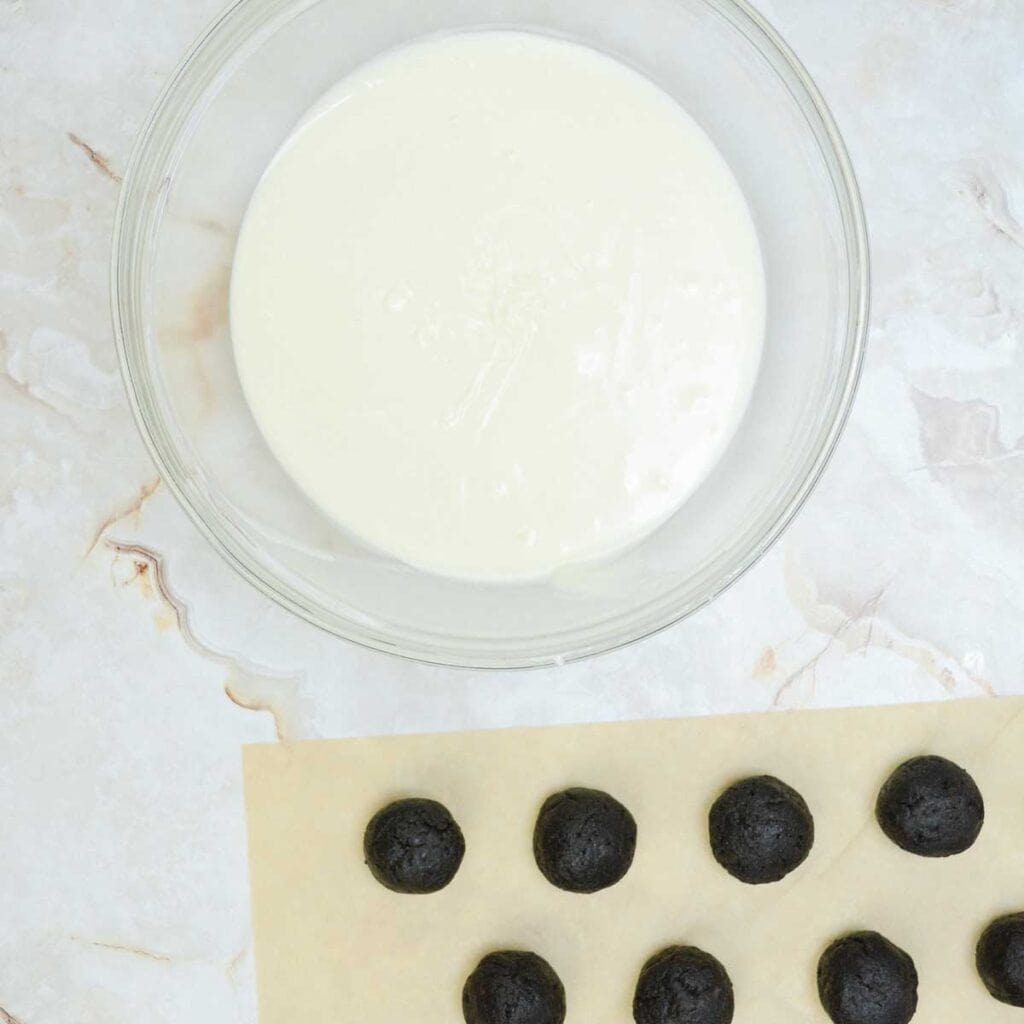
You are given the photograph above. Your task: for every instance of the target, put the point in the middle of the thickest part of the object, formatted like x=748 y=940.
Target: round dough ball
x=931 y=807
x=1000 y=959
x=584 y=840
x=683 y=985
x=512 y=987
x=414 y=846
x=864 y=979
x=760 y=830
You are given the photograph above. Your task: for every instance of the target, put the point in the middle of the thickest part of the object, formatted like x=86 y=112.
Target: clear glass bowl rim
x=137 y=214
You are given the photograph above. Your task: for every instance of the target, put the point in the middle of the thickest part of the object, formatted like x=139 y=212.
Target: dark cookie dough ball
x=931 y=807
x=864 y=979
x=1000 y=959
x=760 y=830
x=683 y=985
x=513 y=988
x=413 y=846
x=584 y=840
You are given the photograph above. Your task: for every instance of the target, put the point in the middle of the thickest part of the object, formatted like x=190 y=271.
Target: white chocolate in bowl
x=498 y=305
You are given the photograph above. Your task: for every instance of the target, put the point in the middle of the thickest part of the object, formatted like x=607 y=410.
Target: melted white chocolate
x=498 y=304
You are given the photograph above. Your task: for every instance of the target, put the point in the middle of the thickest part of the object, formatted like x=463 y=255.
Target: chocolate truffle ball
x=513 y=987
x=931 y=807
x=1000 y=959
x=584 y=840
x=760 y=830
x=683 y=985
x=413 y=846
x=864 y=979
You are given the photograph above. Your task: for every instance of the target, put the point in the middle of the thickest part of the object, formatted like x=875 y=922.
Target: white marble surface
x=133 y=664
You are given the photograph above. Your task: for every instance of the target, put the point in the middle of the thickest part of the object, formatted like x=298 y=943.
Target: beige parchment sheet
x=333 y=946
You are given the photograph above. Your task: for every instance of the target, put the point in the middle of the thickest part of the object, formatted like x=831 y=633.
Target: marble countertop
x=134 y=663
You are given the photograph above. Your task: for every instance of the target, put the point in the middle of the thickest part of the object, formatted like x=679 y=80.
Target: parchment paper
x=335 y=947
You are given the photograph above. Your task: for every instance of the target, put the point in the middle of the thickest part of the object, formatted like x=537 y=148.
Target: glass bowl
x=228 y=108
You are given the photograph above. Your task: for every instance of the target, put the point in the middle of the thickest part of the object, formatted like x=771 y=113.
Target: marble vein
x=248 y=686
x=253 y=704
x=145 y=954
x=23 y=388
x=131 y=511
x=989 y=194
x=96 y=158
x=865 y=628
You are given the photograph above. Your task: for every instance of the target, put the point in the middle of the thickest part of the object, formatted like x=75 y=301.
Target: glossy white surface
x=498 y=328
x=134 y=663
